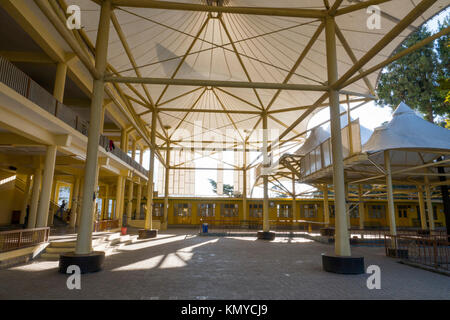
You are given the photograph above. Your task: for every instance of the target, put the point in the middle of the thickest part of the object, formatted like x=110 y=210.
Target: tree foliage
x=419 y=78
x=227 y=189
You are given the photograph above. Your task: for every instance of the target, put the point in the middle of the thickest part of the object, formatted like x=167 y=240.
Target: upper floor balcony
x=20 y=82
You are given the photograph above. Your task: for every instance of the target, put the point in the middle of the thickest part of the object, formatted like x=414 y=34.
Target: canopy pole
x=429 y=204
x=342 y=243
x=390 y=193
x=266 y=226
x=423 y=216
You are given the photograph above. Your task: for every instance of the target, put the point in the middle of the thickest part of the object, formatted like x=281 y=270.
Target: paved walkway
x=180 y=265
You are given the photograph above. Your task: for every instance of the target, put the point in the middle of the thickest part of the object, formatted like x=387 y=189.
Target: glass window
x=182 y=210
x=256 y=210
x=377 y=211
x=206 y=209
x=284 y=211
x=331 y=210
x=229 y=210
x=158 y=209
x=402 y=211
x=310 y=211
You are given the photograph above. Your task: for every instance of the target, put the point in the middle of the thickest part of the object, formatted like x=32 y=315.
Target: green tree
x=417 y=77
x=227 y=189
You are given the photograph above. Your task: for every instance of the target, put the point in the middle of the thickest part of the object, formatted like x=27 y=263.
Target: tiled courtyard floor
x=180 y=265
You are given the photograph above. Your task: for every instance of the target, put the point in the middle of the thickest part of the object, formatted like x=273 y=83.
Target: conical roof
x=407 y=130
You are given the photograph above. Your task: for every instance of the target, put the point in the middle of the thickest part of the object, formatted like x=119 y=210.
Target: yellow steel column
x=166 y=188
x=84 y=239
x=47 y=180
x=266 y=226
x=342 y=243
x=76 y=192
x=26 y=197
x=423 y=214
x=390 y=193
x=429 y=204
x=149 y=212
x=244 y=187
x=60 y=81
x=326 y=207
x=361 y=207
x=294 y=200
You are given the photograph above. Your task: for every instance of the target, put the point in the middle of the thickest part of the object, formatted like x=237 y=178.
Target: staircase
x=107 y=242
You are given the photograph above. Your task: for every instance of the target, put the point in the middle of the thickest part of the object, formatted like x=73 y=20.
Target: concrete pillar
x=266 y=226
x=119 y=193
x=326 y=207
x=26 y=196
x=37 y=178
x=80 y=202
x=166 y=188
x=149 y=212
x=429 y=204
x=60 y=81
x=361 y=207
x=138 y=199
x=342 y=242
x=84 y=239
x=130 y=199
x=76 y=192
x=104 y=213
x=423 y=214
x=347 y=204
x=390 y=193
x=52 y=212
x=47 y=181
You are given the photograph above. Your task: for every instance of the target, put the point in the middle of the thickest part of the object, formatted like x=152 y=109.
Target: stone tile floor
x=180 y=265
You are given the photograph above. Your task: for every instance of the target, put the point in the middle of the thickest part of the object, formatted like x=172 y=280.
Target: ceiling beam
x=217 y=83
x=168 y=5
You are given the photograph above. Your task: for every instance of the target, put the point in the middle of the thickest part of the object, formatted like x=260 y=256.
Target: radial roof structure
x=211 y=68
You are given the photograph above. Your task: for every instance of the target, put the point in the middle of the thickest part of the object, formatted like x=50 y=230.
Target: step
x=73 y=243
x=59 y=250
x=49 y=256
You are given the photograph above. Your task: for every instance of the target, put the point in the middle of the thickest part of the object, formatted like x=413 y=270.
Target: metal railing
x=17 y=239
x=432 y=251
x=105 y=225
x=20 y=82
x=253 y=225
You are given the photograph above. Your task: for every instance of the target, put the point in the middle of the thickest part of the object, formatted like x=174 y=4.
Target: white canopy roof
x=194 y=44
x=407 y=130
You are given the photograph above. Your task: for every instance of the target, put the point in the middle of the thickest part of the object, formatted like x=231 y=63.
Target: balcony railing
x=17 y=239
x=105 y=225
x=17 y=80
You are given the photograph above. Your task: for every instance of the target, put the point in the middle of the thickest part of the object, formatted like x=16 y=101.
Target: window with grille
x=182 y=210
x=310 y=211
x=256 y=210
x=377 y=211
x=332 y=210
x=206 y=209
x=229 y=210
x=158 y=209
x=402 y=211
x=284 y=211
